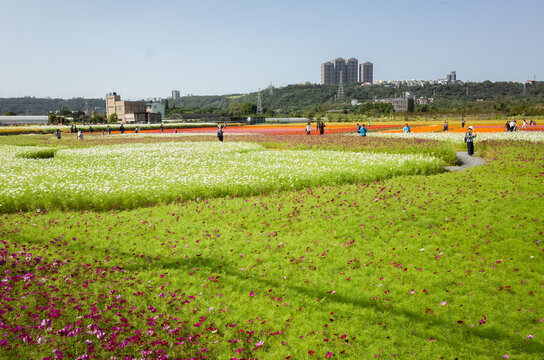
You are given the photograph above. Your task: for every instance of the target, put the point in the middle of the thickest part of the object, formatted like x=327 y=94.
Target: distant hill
x=42 y=106
x=482 y=97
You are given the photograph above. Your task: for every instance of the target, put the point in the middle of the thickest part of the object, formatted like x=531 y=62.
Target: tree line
x=504 y=98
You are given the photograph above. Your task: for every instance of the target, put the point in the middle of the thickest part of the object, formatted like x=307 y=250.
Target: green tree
x=247 y=109
x=55 y=119
x=113 y=118
x=234 y=109
x=65 y=111
x=96 y=118
x=10 y=113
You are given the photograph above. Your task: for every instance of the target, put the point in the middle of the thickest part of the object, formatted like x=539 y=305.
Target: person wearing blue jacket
x=363 y=130
x=406 y=129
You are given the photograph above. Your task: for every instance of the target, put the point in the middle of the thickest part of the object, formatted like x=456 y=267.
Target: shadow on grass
x=465 y=331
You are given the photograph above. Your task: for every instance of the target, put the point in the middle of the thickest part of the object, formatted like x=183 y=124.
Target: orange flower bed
x=481 y=129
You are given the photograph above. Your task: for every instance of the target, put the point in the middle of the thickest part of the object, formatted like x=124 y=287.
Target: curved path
x=467 y=161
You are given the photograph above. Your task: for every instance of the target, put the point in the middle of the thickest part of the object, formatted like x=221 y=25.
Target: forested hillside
x=43 y=106
x=485 y=97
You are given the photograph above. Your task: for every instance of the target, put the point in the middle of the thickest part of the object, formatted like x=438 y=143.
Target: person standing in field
x=122 y=129
x=220 y=132
x=57 y=134
x=406 y=129
x=109 y=130
x=524 y=126
x=358 y=128
x=463 y=122
x=469 y=139
x=162 y=128
x=321 y=128
x=362 y=131
x=308 y=128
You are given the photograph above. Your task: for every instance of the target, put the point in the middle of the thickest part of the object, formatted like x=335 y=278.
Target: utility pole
x=341 y=87
x=259 y=104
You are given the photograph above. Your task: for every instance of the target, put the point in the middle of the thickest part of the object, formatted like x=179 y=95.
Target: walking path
x=467 y=161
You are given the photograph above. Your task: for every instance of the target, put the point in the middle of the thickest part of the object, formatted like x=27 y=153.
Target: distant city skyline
x=68 y=49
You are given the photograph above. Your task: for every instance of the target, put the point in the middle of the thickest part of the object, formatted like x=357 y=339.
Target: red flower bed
x=277 y=129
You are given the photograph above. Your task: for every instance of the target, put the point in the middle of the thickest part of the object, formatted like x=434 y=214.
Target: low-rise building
x=22 y=120
x=402 y=104
x=156 y=108
x=131 y=111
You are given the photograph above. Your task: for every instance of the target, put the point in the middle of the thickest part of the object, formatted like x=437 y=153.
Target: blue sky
x=141 y=49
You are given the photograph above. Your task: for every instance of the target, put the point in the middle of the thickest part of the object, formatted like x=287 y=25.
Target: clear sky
x=141 y=49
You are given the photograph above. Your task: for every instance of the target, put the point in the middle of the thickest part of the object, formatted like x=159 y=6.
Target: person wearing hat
x=469 y=139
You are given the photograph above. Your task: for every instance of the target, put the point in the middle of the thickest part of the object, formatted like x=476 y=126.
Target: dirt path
x=467 y=161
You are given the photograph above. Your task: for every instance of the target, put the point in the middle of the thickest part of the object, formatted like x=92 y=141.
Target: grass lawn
x=411 y=267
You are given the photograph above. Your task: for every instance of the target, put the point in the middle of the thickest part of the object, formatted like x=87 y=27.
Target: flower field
x=337 y=266
x=127 y=176
x=457 y=137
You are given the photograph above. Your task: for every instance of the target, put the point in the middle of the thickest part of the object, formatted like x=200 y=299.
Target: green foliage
x=483 y=98
x=41 y=106
x=188 y=171
x=406 y=268
x=10 y=113
x=97 y=118
x=55 y=119
x=113 y=118
x=374 y=109
x=39 y=153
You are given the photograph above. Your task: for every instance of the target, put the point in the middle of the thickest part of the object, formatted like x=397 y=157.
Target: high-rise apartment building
x=175 y=94
x=327 y=73
x=339 y=67
x=351 y=75
x=330 y=71
x=451 y=77
x=367 y=72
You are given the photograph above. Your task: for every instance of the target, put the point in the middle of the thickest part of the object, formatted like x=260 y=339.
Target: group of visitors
x=361 y=129
x=512 y=126
x=79 y=132
x=320 y=126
